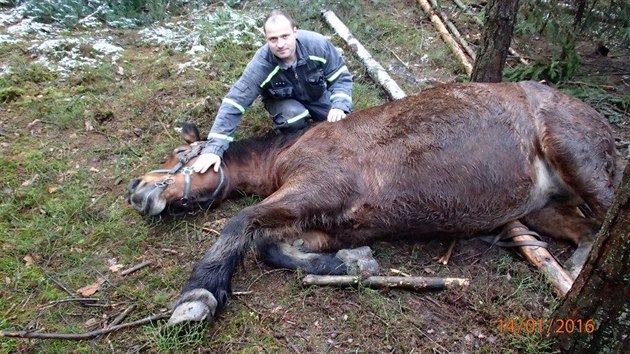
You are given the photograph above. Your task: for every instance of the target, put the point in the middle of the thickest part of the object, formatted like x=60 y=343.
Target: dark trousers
x=291 y=115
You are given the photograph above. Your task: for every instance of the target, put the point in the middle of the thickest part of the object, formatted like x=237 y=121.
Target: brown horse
x=458 y=160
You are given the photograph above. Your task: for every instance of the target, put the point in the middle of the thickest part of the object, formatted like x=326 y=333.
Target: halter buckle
x=165 y=182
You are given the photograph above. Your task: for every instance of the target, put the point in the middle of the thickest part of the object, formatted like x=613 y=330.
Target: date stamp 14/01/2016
x=545 y=326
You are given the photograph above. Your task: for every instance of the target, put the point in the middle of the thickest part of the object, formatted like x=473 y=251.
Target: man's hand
x=335 y=115
x=205 y=161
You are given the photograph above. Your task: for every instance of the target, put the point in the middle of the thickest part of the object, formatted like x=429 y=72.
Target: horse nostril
x=133 y=185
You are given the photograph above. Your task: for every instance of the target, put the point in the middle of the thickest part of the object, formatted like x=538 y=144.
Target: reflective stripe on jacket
x=319 y=67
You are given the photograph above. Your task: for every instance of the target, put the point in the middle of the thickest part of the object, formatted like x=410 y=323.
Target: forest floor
x=72 y=135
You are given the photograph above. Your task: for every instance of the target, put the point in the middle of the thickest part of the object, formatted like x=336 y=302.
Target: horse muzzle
x=146 y=198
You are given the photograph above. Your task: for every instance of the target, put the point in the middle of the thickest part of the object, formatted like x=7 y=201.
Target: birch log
x=409 y=283
x=446 y=36
x=376 y=71
x=511 y=50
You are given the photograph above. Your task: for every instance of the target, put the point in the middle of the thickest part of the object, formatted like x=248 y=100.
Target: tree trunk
x=601 y=293
x=579 y=14
x=491 y=55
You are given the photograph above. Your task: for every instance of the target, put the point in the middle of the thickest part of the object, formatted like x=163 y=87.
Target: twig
x=165 y=129
x=242 y=292
x=397 y=57
x=136 y=267
x=122 y=316
x=399 y=272
x=447 y=256
x=68 y=299
x=61 y=286
x=86 y=335
x=209 y=229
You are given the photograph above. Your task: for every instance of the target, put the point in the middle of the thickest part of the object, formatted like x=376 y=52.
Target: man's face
x=281 y=39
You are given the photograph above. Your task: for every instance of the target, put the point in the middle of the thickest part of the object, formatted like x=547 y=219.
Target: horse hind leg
x=314 y=253
x=565 y=222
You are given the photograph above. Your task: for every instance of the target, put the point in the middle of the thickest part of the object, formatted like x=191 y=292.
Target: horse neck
x=252 y=173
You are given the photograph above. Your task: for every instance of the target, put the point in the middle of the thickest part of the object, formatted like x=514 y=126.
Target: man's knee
x=289 y=117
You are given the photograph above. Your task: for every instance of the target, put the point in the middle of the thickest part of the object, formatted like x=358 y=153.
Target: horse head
x=174 y=184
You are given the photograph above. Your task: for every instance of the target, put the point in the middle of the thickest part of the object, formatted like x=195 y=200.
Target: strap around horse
x=509 y=233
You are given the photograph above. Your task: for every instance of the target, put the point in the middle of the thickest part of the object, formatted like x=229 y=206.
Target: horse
x=455 y=161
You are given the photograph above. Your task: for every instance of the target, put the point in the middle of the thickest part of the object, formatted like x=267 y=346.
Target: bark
x=579 y=14
x=376 y=71
x=511 y=50
x=495 y=41
x=601 y=292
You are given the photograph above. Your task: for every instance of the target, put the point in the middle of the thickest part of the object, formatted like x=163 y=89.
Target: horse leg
x=311 y=252
x=566 y=223
x=208 y=287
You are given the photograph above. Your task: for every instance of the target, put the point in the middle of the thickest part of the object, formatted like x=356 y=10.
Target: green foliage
x=8 y=94
x=553 y=70
x=614 y=106
x=23 y=71
x=606 y=21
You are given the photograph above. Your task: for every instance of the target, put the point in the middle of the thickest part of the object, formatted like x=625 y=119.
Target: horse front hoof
x=194 y=306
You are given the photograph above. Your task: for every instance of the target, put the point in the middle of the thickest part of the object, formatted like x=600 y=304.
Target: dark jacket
x=319 y=67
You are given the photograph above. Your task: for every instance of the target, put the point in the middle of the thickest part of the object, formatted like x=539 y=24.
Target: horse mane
x=241 y=150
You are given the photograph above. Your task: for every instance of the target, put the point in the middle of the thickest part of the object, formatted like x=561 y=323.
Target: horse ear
x=190 y=132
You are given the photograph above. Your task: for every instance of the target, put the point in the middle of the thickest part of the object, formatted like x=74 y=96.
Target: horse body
x=455 y=161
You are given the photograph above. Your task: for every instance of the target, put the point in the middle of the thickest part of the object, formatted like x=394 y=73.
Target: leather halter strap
x=187 y=171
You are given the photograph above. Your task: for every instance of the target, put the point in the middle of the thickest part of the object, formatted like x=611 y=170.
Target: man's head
x=280 y=32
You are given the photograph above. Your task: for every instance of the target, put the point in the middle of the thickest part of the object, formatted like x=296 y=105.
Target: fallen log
x=376 y=71
x=377 y=282
x=511 y=50
x=454 y=31
x=446 y=36
x=560 y=279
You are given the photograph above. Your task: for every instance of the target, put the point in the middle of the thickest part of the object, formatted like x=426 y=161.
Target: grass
x=63 y=205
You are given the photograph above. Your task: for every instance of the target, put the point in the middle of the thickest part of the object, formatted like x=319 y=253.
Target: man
x=299 y=74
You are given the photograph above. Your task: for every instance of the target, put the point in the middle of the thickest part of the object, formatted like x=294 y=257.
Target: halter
x=187 y=171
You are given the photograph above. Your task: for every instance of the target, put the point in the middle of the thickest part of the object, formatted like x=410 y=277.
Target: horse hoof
x=197 y=309
x=359 y=261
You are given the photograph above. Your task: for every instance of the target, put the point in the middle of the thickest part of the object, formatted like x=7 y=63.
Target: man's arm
x=234 y=104
x=338 y=79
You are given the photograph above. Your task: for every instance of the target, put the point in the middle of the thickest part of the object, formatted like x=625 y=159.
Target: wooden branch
x=376 y=71
x=69 y=299
x=136 y=267
x=511 y=50
x=439 y=25
x=122 y=316
x=560 y=279
x=86 y=335
x=454 y=31
x=409 y=283
x=447 y=256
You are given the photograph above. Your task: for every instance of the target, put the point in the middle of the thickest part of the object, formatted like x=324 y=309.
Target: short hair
x=277 y=13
